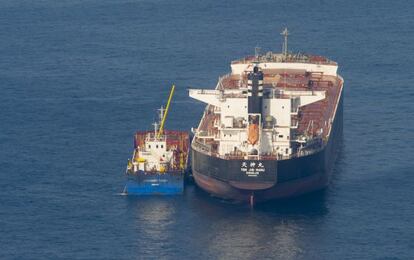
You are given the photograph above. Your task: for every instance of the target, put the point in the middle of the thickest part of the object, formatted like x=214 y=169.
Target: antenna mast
x=285 y=33
x=257 y=50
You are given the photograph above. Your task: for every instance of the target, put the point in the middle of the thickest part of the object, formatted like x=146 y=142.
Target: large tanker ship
x=271 y=128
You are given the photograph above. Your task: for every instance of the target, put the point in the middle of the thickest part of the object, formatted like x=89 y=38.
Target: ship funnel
x=255 y=91
x=254 y=104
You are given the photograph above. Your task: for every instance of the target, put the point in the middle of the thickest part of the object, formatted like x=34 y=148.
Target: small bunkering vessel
x=160 y=159
x=271 y=128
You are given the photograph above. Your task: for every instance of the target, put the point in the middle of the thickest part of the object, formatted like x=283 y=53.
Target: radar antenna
x=285 y=33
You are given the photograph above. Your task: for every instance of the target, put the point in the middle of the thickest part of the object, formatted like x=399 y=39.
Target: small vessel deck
x=176 y=140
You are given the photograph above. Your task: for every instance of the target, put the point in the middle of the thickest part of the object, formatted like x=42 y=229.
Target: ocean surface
x=77 y=78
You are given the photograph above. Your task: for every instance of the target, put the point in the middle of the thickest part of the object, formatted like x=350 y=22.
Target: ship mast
x=161 y=114
x=155 y=124
x=285 y=33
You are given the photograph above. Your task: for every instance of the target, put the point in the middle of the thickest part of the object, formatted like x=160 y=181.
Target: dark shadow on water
x=312 y=204
x=309 y=204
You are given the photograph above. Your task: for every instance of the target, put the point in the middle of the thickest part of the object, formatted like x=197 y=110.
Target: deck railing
x=291 y=57
x=206 y=149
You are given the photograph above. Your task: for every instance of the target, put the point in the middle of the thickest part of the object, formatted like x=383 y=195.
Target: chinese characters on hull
x=252 y=169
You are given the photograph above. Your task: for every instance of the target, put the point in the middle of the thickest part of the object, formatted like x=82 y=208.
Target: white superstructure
x=228 y=106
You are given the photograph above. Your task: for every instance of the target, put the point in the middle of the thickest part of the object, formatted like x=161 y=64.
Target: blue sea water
x=77 y=78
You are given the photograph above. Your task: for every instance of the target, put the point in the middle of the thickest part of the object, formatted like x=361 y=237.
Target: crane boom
x=161 y=130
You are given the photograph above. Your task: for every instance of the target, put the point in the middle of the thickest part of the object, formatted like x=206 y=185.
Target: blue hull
x=155 y=184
